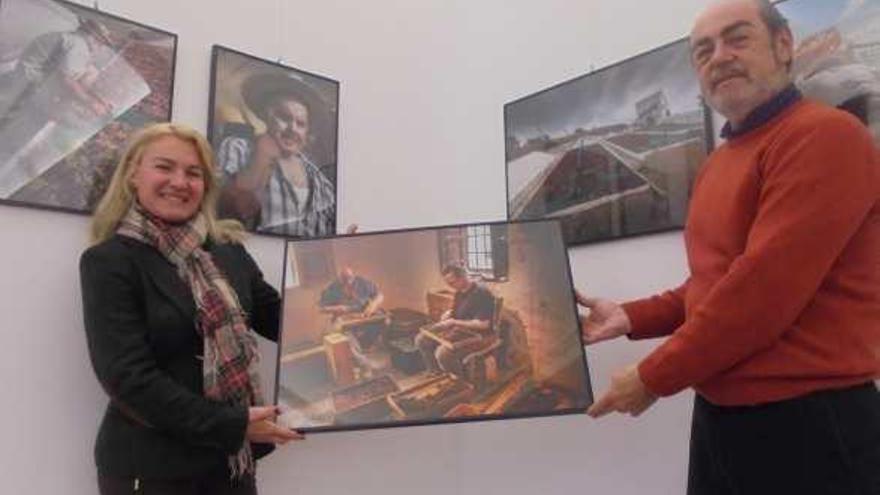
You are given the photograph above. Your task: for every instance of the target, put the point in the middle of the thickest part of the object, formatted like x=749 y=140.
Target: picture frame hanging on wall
x=837 y=54
x=75 y=84
x=612 y=153
x=431 y=325
x=274 y=130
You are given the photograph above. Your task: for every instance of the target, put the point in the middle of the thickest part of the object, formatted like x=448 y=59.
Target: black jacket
x=139 y=320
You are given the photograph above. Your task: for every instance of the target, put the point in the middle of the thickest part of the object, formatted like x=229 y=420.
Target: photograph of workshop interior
x=430 y=325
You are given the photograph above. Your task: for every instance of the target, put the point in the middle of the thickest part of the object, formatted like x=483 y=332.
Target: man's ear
x=783 y=46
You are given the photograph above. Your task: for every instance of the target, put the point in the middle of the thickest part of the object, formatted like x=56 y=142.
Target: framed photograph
x=430 y=325
x=274 y=130
x=75 y=83
x=837 y=54
x=612 y=153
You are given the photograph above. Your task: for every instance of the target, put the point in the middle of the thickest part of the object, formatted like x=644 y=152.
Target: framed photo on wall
x=431 y=325
x=612 y=153
x=75 y=83
x=274 y=130
x=837 y=54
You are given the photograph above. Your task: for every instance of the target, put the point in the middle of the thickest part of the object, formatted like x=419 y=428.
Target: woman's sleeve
x=117 y=333
x=266 y=310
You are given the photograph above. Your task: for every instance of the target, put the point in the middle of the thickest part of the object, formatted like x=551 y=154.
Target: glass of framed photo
x=75 y=83
x=430 y=325
x=274 y=131
x=612 y=153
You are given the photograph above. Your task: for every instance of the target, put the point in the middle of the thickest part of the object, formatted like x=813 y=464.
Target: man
x=352 y=294
x=472 y=309
x=49 y=90
x=272 y=185
x=65 y=61
x=777 y=327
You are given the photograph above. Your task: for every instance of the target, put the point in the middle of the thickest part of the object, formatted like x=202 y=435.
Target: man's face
x=346 y=276
x=458 y=283
x=288 y=123
x=739 y=64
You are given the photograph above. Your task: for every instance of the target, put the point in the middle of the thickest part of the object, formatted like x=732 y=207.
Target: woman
x=169 y=298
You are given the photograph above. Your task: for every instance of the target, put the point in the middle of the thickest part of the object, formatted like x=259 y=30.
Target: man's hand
x=243 y=203
x=266 y=152
x=605 y=320
x=627 y=394
x=263 y=429
x=337 y=309
x=446 y=323
x=101 y=108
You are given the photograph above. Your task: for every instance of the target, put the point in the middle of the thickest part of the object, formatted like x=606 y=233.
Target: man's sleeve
x=75 y=57
x=658 y=315
x=233 y=155
x=819 y=184
x=486 y=308
x=329 y=296
x=371 y=289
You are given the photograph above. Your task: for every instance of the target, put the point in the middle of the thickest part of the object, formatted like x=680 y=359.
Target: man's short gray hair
x=771 y=16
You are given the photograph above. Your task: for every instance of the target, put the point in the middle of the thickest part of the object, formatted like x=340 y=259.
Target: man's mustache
x=726 y=72
x=286 y=134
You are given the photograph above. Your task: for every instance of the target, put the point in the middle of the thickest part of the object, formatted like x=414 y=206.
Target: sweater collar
x=764 y=112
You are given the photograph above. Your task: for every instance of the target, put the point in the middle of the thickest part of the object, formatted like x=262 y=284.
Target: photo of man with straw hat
x=272 y=147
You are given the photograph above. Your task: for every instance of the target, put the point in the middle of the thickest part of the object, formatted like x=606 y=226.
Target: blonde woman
x=171 y=300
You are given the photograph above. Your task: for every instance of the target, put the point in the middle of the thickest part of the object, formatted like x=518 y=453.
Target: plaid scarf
x=229 y=367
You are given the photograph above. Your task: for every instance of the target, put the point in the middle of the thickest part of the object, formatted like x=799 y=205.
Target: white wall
x=421 y=143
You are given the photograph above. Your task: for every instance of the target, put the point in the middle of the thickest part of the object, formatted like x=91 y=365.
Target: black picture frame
x=538 y=368
x=575 y=151
x=242 y=88
x=57 y=151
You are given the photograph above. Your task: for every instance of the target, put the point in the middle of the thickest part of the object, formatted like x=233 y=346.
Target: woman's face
x=169 y=181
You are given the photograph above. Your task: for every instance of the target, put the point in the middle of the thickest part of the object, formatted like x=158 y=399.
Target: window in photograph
x=479 y=249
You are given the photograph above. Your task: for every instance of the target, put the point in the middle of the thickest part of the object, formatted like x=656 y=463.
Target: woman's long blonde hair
x=120 y=194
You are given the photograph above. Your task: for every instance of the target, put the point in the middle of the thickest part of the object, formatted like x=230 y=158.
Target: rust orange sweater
x=783 y=246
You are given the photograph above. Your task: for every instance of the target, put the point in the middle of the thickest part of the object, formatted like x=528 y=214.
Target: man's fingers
x=592 y=333
x=588 y=302
x=589 y=334
x=638 y=410
x=601 y=407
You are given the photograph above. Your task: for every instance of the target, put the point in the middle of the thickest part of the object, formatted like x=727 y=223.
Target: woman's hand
x=263 y=429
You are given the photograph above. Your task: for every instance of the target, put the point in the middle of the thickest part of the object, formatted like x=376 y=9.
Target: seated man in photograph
x=354 y=295
x=472 y=309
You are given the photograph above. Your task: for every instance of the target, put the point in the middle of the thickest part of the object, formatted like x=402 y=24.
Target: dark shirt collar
x=764 y=112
